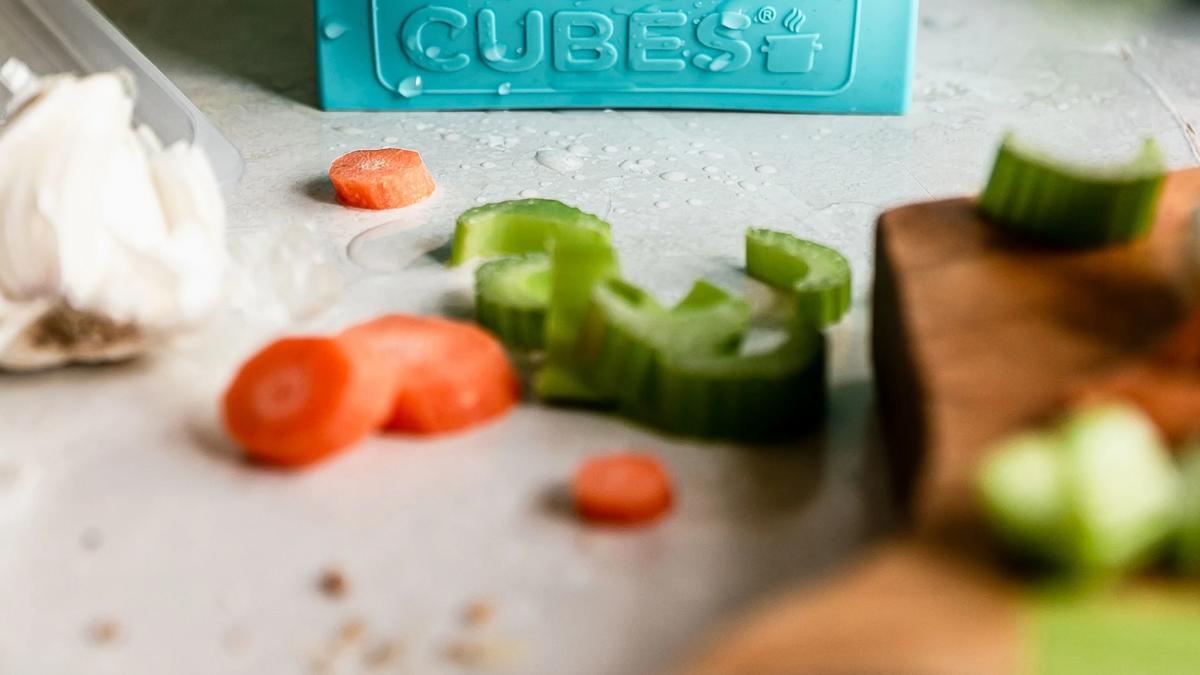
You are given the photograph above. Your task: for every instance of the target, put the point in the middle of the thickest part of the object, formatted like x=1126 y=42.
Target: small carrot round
x=300 y=400
x=450 y=376
x=622 y=489
x=389 y=178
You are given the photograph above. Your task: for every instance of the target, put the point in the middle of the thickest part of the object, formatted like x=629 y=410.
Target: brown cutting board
x=975 y=335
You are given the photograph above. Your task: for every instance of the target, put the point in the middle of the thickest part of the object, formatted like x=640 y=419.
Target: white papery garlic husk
x=109 y=243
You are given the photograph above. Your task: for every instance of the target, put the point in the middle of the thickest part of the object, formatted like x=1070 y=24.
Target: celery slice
x=581 y=259
x=518 y=227
x=511 y=299
x=1096 y=497
x=1054 y=203
x=819 y=276
x=681 y=369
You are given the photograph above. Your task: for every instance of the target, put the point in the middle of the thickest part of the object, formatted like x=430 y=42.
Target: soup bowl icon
x=792 y=53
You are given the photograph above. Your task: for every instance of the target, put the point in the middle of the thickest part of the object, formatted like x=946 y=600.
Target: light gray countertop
x=119 y=499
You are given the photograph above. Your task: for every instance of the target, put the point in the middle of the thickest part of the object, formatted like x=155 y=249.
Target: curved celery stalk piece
x=511 y=299
x=518 y=227
x=819 y=275
x=580 y=260
x=1054 y=203
x=681 y=369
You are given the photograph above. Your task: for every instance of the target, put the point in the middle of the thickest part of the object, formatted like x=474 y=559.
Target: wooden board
x=975 y=335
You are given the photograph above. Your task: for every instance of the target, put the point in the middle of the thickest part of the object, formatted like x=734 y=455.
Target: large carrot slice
x=300 y=400
x=449 y=376
x=389 y=178
x=623 y=489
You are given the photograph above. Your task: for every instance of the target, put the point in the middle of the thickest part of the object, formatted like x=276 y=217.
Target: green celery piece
x=818 y=275
x=1054 y=203
x=1138 y=631
x=1096 y=497
x=680 y=369
x=511 y=299
x=518 y=227
x=1123 y=486
x=581 y=259
x=1187 y=545
x=1021 y=486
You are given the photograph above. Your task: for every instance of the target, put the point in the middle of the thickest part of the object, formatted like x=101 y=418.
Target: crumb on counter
x=352 y=632
x=334 y=584
x=104 y=631
x=479 y=612
x=383 y=655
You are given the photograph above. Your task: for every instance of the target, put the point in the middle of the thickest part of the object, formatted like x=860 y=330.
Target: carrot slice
x=389 y=178
x=622 y=489
x=300 y=400
x=449 y=375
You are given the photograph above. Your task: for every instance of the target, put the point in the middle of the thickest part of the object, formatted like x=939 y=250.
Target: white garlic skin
x=97 y=220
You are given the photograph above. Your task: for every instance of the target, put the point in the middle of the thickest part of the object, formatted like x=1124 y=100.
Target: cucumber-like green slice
x=517 y=227
x=1055 y=203
x=1097 y=496
x=511 y=299
x=818 y=275
x=581 y=259
x=681 y=369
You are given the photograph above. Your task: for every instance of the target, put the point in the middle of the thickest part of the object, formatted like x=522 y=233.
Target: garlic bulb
x=109 y=243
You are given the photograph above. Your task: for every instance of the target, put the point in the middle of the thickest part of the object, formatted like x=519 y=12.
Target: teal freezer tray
x=56 y=36
x=824 y=56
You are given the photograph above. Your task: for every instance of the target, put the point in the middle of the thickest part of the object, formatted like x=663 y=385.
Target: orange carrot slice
x=622 y=489
x=389 y=178
x=449 y=375
x=300 y=400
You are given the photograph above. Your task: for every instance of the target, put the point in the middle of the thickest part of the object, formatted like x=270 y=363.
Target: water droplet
x=411 y=87
x=487 y=165
x=579 y=176
x=663 y=204
x=464 y=166
x=1064 y=106
x=635 y=148
x=766 y=169
x=646 y=161
x=334 y=30
x=481 y=199
x=579 y=149
x=635 y=166
x=710 y=154
x=396 y=245
x=452 y=136
x=504 y=89
x=553 y=133
x=712 y=169
x=674 y=176
x=391 y=139
x=748 y=186
x=697 y=144
x=528 y=194
x=558 y=159
x=610 y=149
x=695 y=202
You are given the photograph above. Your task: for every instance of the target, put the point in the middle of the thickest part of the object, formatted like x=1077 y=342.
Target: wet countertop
x=132 y=540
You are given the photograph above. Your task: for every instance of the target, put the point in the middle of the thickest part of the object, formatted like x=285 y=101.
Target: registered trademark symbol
x=766 y=14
